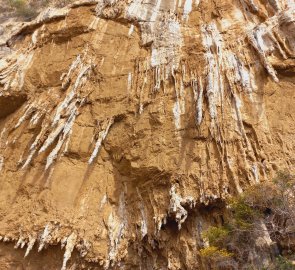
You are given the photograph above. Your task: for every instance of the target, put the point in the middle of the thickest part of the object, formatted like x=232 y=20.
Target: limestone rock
x=124 y=124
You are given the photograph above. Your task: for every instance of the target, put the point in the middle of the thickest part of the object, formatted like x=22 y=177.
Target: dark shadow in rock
x=9 y=104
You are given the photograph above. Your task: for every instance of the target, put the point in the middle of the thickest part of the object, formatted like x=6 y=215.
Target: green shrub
x=213 y=252
x=216 y=235
x=243 y=215
x=283 y=263
x=271 y=204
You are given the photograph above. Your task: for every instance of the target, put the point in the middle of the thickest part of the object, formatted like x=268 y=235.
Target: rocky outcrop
x=125 y=124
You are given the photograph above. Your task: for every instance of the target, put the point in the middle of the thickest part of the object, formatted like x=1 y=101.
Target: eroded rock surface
x=125 y=124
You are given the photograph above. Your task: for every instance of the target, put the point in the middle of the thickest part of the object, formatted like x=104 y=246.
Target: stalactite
x=6 y=238
x=20 y=243
x=176 y=206
x=141 y=93
x=33 y=150
x=101 y=137
x=103 y=201
x=177 y=105
x=238 y=71
x=37 y=115
x=31 y=244
x=115 y=229
x=187 y=9
x=68 y=107
x=159 y=221
x=144 y=225
x=198 y=95
x=212 y=42
x=12 y=72
x=131 y=30
x=46 y=236
x=71 y=241
x=1 y=163
x=157 y=78
x=255 y=172
x=28 y=111
x=84 y=70
x=66 y=77
x=177 y=114
x=63 y=242
x=53 y=135
x=129 y=83
x=65 y=133
x=256 y=41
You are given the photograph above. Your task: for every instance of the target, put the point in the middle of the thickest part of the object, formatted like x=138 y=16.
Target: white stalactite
x=20 y=243
x=198 y=95
x=256 y=39
x=101 y=137
x=71 y=241
x=103 y=201
x=187 y=9
x=31 y=243
x=131 y=30
x=176 y=206
x=116 y=227
x=1 y=163
x=25 y=116
x=32 y=150
x=65 y=132
x=46 y=236
x=213 y=44
x=129 y=83
x=144 y=225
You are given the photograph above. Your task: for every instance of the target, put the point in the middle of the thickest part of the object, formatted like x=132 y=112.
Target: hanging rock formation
x=124 y=124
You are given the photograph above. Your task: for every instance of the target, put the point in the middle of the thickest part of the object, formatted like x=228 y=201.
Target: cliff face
x=125 y=124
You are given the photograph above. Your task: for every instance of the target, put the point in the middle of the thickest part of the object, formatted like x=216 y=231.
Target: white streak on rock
x=28 y=111
x=255 y=173
x=176 y=206
x=71 y=241
x=129 y=82
x=131 y=30
x=198 y=94
x=32 y=150
x=1 y=162
x=83 y=72
x=101 y=137
x=212 y=41
x=256 y=39
x=34 y=37
x=45 y=237
x=177 y=115
x=67 y=76
x=63 y=242
x=52 y=136
x=103 y=201
x=20 y=243
x=144 y=226
x=188 y=5
x=31 y=243
x=65 y=132
x=116 y=226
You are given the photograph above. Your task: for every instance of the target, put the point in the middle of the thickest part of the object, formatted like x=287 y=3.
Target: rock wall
x=125 y=124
